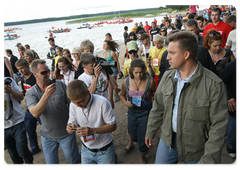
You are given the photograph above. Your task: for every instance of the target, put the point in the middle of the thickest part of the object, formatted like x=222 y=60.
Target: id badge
x=4 y=106
x=136 y=100
x=89 y=138
x=155 y=62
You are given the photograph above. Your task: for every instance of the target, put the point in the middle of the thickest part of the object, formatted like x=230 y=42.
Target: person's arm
x=39 y=108
x=150 y=69
x=92 y=88
x=155 y=116
x=123 y=96
x=9 y=67
x=14 y=90
x=140 y=51
x=115 y=57
x=218 y=115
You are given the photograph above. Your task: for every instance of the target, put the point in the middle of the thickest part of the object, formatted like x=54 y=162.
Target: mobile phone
x=147 y=55
x=75 y=128
x=52 y=81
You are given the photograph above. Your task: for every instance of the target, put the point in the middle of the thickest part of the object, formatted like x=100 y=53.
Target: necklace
x=136 y=84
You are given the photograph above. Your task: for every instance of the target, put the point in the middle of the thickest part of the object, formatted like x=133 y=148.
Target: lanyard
x=87 y=115
x=157 y=54
x=215 y=60
x=68 y=77
x=136 y=84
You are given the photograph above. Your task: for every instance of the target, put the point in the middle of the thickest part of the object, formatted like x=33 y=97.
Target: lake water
x=34 y=35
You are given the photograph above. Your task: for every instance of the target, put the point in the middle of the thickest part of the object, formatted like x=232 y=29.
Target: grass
x=125 y=15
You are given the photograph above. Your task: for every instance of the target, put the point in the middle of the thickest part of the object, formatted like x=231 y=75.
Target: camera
x=7 y=81
x=106 y=65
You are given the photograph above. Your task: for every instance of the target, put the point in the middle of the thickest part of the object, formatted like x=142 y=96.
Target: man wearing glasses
x=223 y=28
x=48 y=100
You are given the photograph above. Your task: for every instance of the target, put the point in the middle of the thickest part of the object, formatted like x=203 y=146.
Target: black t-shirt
x=28 y=83
x=154 y=31
x=13 y=60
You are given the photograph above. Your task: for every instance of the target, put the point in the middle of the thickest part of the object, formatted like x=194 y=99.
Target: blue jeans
x=31 y=125
x=69 y=148
x=15 y=140
x=165 y=156
x=231 y=135
x=101 y=157
x=137 y=127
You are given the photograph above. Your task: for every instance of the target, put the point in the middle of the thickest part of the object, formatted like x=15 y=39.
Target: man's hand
x=148 y=61
x=148 y=142
x=85 y=131
x=232 y=104
x=8 y=89
x=50 y=90
x=71 y=128
x=97 y=70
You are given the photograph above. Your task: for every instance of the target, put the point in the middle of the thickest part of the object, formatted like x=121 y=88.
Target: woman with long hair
x=220 y=56
x=65 y=70
x=137 y=93
x=109 y=54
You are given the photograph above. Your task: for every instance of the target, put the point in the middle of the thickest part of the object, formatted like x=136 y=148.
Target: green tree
x=178 y=6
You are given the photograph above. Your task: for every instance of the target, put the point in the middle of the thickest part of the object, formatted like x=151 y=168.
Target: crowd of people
x=179 y=77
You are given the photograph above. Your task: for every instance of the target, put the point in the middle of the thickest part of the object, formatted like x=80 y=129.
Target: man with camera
x=95 y=77
x=15 y=138
x=47 y=99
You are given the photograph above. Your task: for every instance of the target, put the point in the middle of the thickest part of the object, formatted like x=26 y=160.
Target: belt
x=98 y=150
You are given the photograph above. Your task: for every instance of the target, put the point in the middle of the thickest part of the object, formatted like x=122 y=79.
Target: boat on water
x=11 y=37
x=84 y=25
x=120 y=21
x=12 y=30
x=59 y=30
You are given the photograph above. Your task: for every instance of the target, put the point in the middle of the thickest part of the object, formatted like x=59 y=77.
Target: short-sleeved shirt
x=101 y=83
x=13 y=113
x=126 y=67
x=28 y=83
x=231 y=41
x=156 y=53
x=100 y=114
x=55 y=116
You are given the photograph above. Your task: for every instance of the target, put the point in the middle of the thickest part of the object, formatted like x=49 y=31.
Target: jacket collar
x=196 y=77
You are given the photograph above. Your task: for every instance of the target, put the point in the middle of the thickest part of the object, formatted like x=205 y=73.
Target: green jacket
x=202 y=116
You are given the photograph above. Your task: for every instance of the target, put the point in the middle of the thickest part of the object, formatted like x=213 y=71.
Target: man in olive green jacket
x=191 y=105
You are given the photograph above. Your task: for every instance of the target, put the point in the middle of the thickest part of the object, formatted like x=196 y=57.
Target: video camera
x=106 y=64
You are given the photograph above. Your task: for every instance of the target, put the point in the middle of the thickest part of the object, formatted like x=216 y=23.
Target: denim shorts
x=115 y=71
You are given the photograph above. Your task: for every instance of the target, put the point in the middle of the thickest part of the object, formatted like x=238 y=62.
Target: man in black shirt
x=155 y=30
x=13 y=60
x=27 y=81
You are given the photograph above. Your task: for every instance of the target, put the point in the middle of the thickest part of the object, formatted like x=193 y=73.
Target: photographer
x=15 y=139
x=48 y=100
x=95 y=77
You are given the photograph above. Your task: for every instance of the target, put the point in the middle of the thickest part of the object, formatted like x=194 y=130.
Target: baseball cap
x=18 y=44
x=132 y=45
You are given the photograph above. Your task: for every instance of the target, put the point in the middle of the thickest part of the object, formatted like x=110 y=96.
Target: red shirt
x=223 y=28
x=147 y=28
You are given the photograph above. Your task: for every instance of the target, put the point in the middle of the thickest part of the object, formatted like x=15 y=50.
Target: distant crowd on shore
x=179 y=76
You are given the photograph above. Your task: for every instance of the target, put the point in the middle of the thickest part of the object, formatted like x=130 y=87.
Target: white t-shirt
x=101 y=83
x=100 y=114
x=231 y=41
x=68 y=77
x=13 y=113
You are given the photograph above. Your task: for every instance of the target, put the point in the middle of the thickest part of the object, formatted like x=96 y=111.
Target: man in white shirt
x=91 y=117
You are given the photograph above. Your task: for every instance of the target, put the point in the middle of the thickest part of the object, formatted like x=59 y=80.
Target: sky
x=19 y=10
x=29 y=9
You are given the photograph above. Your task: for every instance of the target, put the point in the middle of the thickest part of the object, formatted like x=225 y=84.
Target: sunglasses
x=60 y=67
x=132 y=51
x=45 y=72
x=214 y=33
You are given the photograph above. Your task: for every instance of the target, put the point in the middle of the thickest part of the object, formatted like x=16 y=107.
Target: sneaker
x=232 y=155
x=117 y=98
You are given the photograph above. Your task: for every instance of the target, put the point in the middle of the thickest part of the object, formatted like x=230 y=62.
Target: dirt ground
x=120 y=137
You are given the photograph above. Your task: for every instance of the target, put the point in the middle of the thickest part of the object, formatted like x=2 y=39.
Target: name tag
x=89 y=138
x=136 y=100
x=155 y=62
